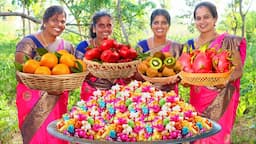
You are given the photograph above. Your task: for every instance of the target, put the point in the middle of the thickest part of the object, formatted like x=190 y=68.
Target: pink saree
x=220 y=104
x=36 y=109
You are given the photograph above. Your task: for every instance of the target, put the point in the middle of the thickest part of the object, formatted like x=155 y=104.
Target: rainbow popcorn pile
x=132 y=113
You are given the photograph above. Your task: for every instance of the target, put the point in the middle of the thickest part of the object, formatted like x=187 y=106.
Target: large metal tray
x=52 y=130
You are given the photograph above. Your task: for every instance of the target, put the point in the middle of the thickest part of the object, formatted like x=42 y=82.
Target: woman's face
x=56 y=24
x=103 y=27
x=160 y=26
x=204 y=21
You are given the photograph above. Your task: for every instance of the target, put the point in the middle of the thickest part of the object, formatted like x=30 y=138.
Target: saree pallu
x=26 y=99
x=220 y=104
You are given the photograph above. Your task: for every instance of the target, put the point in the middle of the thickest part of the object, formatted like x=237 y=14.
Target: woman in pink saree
x=36 y=109
x=217 y=103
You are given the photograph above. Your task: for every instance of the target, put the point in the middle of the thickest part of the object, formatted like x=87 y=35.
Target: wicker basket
x=205 y=79
x=52 y=83
x=159 y=80
x=111 y=70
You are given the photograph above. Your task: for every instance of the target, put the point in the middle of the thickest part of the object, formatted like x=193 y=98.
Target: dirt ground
x=16 y=139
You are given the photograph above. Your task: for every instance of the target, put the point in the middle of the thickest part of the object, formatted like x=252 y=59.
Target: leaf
x=143 y=56
x=204 y=47
x=38 y=58
x=26 y=58
x=80 y=67
x=18 y=66
x=41 y=51
x=58 y=55
x=75 y=70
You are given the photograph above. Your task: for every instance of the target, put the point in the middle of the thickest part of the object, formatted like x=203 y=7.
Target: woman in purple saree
x=36 y=109
x=160 y=22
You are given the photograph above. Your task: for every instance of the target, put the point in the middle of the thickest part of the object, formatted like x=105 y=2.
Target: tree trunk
x=77 y=20
x=23 y=23
x=29 y=23
x=242 y=17
x=121 y=22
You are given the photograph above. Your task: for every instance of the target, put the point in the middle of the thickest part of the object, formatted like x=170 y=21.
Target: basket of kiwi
x=161 y=67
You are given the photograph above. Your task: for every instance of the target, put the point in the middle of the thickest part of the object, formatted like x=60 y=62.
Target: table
x=51 y=128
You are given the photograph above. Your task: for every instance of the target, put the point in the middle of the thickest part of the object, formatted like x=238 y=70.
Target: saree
x=36 y=109
x=174 y=48
x=221 y=104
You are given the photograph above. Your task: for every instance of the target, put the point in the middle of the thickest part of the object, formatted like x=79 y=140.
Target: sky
x=177 y=6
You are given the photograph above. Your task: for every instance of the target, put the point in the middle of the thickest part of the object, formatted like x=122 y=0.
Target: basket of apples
x=111 y=60
x=206 y=67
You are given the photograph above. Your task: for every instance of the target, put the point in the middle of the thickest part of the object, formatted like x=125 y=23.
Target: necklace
x=44 y=40
x=154 y=45
x=200 y=41
x=95 y=42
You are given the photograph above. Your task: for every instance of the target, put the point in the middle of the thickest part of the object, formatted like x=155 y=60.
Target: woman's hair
x=162 y=12
x=95 y=19
x=210 y=6
x=51 y=11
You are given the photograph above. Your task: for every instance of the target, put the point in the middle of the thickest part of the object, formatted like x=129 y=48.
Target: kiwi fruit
x=169 y=62
x=168 y=72
x=167 y=54
x=159 y=55
x=177 y=67
x=148 y=59
x=155 y=63
x=152 y=72
x=142 y=67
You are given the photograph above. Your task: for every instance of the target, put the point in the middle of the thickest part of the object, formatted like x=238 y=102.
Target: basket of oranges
x=52 y=72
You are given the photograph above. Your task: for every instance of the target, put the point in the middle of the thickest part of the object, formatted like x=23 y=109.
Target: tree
x=236 y=17
x=187 y=16
x=243 y=13
x=26 y=5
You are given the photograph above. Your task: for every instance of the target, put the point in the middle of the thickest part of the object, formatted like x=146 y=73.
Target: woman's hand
x=185 y=84
x=56 y=93
x=173 y=79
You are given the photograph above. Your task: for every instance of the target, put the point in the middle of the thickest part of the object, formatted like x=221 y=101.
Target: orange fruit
x=49 y=59
x=30 y=66
x=82 y=63
x=43 y=70
x=63 y=51
x=68 y=60
x=60 y=69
